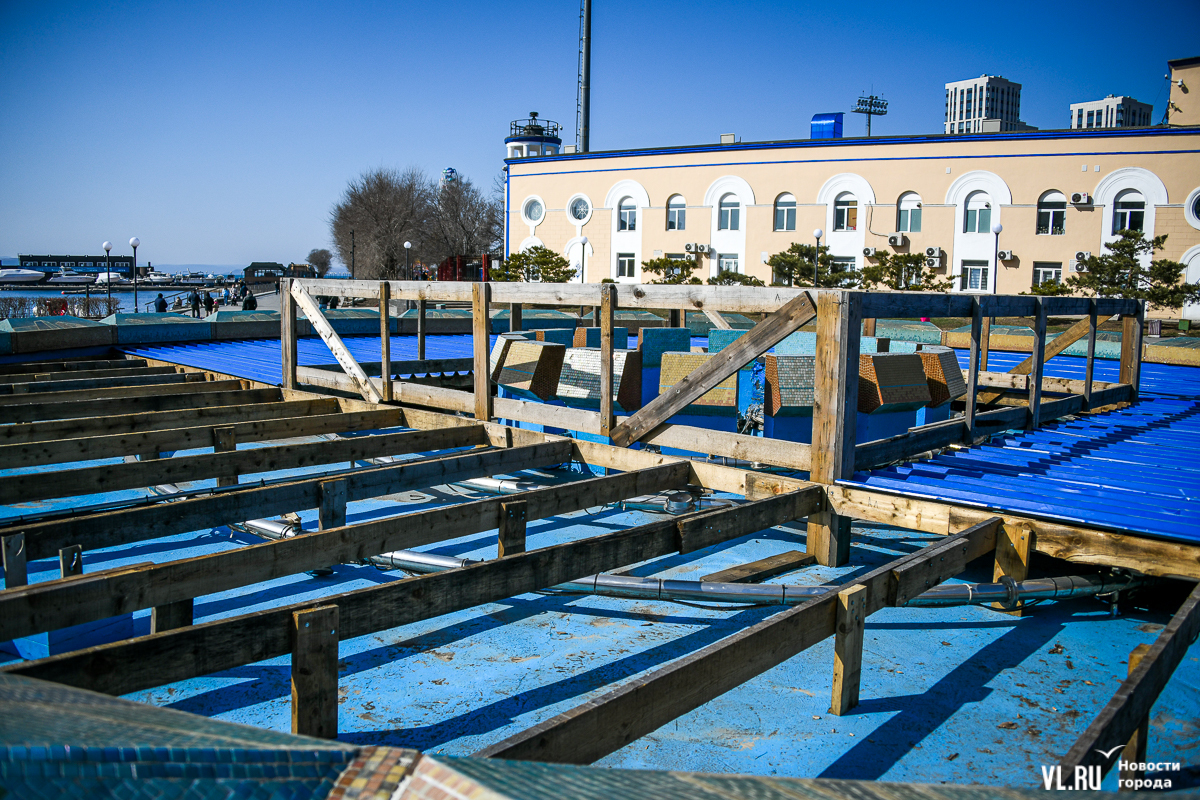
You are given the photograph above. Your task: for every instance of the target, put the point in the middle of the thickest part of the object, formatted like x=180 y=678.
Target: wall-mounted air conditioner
x=702 y=249
x=933 y=252
x=933 y=263
x=897 y=240
x=1005 y=255
x=869 y=252
x=1082 y=254
x=1080 y=198
x=690 y=247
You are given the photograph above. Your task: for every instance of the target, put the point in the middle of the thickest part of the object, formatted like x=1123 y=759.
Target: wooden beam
x=972 y=398
x=180 y=382
x=421 y=329
x=717 y=320
x=15 y=569
x=847 y=648
x=70 y=561
x=1053 y=347
x=480 y=329
x=1039 y=358
x=1120 y=718
x=190 y=396
x=1131 y=348
x=315 y=672
x=1135 y=748
x=608 y=307
x=69 y=366
x=985 y=341
x=81 y=375
x=287 y=333
x=63 y=388
x=761 y=338
x=515 y=322
x=761 y=570
x=1013 y=547
x=332 y=512
x=312 y=312
x=511 y=535
x=1089 y=369
x=170 y=616
x=224 y=441
x=385 y=340
x=607 y=723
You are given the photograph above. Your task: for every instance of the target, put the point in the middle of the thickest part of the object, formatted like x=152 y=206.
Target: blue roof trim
x=941 y=138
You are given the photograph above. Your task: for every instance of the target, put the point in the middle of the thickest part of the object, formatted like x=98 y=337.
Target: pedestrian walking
x=160 y=304
x=208 y=303
x=249 y=303
x=194 y=302
x=225 y=297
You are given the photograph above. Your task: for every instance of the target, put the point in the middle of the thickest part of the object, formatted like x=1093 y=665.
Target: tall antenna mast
x=583 y=100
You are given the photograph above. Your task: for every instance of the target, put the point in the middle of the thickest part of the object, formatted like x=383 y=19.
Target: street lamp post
x=817 y=256
x=134 y=242
x=407 y=268
x=351 y=254
x=108 y=276
x=996 y=229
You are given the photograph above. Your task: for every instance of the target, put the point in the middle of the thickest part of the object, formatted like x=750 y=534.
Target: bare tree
x=320 y=260
x=463 y=221
x=384 y=208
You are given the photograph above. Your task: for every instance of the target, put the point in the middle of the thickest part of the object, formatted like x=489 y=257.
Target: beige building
x=1055 y=194
x=1184 y=108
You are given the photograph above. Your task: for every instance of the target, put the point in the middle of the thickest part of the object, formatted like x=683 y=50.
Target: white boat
x=157 y=278
x=68 y=276
x=21 y=276
x=106 y=279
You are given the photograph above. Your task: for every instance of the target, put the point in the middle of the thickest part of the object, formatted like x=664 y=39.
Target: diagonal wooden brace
x=334 y=343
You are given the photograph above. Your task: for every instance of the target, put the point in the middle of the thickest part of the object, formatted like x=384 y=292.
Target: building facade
x=90 y=265
x=988 y=103
x=1111 y=112
x=1184 y=101
x=1055 y=194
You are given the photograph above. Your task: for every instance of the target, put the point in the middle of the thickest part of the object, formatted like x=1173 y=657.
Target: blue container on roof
x=827 y=126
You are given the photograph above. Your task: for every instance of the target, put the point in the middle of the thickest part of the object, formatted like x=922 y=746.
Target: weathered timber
x=26 y=367
x=761 y=338
x=1090 y=367
x=315 y=672
x=148 y=398
x=1135 y=751
x=1053 y=347
x=514 y=514
x=702 y=531
x=608 y=307
x=80 y=375
x=762 y=569
x=287 y=333
x=972 y=374
x=385 y=340
x=60 y=388
x=847 y=648
x=179 y=383
x=170 y=616
x=312 y=312
x=717 y=320
x=16 y=572
x=481 y=294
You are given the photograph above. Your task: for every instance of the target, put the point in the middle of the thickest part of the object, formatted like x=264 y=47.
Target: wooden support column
x=332 y=513
x=675 y=318
x=514 y=515
x=1131 y=348
x=314 y=672
x=421 y=329
x=1014 y=542
x=835 y=415
x=847 y=648
x=70 y=560
x=481 y=296
x=15 y=571
x=1091 y=355
x=973 y=367
x=287 y=333
x=334 y=342
x=1135 y=750
x=608 y=307
x=514 y=317
x=170 y=616
x=225 y=441
x=1038 y=366
x=869 y=327
x=385 y=339
x=985 y=343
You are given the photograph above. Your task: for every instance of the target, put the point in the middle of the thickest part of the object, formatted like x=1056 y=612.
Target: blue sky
x=221 y=133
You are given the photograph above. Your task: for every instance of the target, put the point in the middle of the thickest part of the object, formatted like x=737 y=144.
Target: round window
x=579 y=208
x=534 y=211
x=1196 y=207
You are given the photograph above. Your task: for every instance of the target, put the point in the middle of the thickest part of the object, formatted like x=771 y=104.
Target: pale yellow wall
x=1028 y=166
x=1186 y=98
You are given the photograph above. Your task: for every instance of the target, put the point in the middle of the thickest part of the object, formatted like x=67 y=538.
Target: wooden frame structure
x=135 y=410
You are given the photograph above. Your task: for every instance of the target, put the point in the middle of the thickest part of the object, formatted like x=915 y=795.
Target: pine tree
x=673 y=270
x=1122 y=272
x=903 y=272
x=539 y=264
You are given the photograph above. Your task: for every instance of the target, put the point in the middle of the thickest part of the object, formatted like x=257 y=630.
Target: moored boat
x=68 y=276
x=21 y=276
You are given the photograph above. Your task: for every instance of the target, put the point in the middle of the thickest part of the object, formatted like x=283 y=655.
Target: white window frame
x=725 y=259
x=843 y=204
x=968 y=268
x=1041 y=268
x=1121 y=216
x=626 y=265
x=785 y=213
x=676 y=213
x=1052 y=204
x=729 y=211
x=979 y=218
x=627 y=214
x=908 y=213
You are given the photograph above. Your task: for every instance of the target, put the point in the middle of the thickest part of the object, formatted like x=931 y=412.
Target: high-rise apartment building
x=1112 y=112
x=988 y=103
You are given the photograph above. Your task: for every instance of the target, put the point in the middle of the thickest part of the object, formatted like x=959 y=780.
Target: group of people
x=240 y=294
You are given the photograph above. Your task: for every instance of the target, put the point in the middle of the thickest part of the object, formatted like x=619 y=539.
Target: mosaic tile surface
x=943 y=374
x=891 y=382
x=563 y=336
x=805 y=343
x=677 y=366
x=580 y=379
x=500 y=351
x=720 y=338
x=789 y=382
x=653 y=342
x=533 y=367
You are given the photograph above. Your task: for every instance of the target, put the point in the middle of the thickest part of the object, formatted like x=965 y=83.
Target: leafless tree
x=384 y=208
x=320 y=260
x=462 y=221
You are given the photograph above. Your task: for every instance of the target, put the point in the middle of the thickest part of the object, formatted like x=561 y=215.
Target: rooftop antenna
x=871 y=106
x=583 y=97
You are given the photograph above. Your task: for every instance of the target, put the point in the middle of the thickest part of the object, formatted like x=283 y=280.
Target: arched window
x=845 y=212
x=676 y=213
x=729 y=213
x=627 y=221
x=978 y=218
x=785 y=213
x=1129 y=212
x=1052 y=214
x=908 y=213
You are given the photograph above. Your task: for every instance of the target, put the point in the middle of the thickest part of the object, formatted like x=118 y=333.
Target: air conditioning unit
x=933 y=252
x=869 y=252
x=1077 y=267
x=1082 y=254
x=933 y=263
x=690 y=247
x=897 y=240
x=702 y=248
x=1005 y=255
x=1080 y=198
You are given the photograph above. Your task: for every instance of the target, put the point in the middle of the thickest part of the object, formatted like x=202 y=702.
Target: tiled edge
x=434 y=780
x=375 y=774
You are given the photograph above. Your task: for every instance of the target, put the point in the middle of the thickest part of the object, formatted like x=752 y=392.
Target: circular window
x=580 y=209
x=534 y=211
x=1191 y=209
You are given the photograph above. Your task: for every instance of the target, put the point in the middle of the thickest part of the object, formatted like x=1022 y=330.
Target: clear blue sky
x=222 y=133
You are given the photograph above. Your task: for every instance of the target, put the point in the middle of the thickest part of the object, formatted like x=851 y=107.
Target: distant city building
x=1112 y=112
x=987 y=104
x=87 y=264
x=263 y=273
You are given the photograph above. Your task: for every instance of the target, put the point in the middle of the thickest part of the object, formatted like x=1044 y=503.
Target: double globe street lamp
x=108 y=275
x=134 y=242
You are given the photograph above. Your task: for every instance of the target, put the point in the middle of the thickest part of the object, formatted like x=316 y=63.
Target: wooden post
x=314 y=672
x=1091 y=355
x=70 y=560
x=835 y=415
x=287 y=334
x=1135 y=750
x=869 y=327
x=345 y=358
x=985 y=343
x=675 y=318
x=1131 y=348
x=847 y=648
x=15 y=571
x=332 y=513
x=385 y=339
x=973 y=367
x=608 y=306
x=1013 y=545
x=421 y=329
x=1039 y=365
x=225 y=441
x=514 y=317
x=481 y=296
x=170 y=616
x=513 y=517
